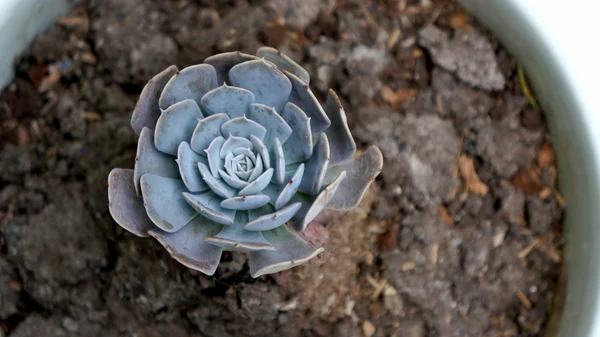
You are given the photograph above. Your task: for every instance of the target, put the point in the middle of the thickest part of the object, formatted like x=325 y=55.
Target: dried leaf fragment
x=467 y=171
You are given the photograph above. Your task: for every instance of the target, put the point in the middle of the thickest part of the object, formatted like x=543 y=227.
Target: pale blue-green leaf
x=290 y=188
x=340 y=139
x=207 y=129
x=245 y=151
x=124 y=205
x=243 y=127
x=299 y=146
x=258 y=169
x=311 y=207
x=176 y=125
x=361 y=170
x=316 y=167
x=164 y=204
x=262 y=150
x=188 y=160
x=303 y=97
x=232 y=143
x=269 y=221
x=192 y=82
x=225 y=61
x=188 y=247
x=272 y=121
x=215 y=162
x=269 y=85
x=283 y=62
x=233 y=101
x=208 y=205
x=233 y=180
x=290 y=251
x=147 y=111
x=149 y=160
x=237 y=238
x=278 y=162
x=257 y=185
x=216 y=185
x=244 y=203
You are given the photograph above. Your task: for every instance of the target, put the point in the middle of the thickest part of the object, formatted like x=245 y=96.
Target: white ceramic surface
x=20 y=22
x=556 y=42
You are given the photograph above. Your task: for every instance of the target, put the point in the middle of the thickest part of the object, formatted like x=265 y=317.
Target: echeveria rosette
x=238 y=154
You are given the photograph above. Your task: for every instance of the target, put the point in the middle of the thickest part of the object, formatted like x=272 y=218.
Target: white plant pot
x=555 y=41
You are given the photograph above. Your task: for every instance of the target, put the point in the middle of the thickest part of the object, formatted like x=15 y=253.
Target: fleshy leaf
x=283 y=62
x=216 y=185
x=316 y=167
x=124 y=205
x=207 y=129
x=258 y=169
x=176 y=125
x=259 y=184
x=341 y=143
x=291 y=187
x=243 y=127
x=299 y=146
x=192 y=82
x=244 y=203
x=303 y=97
x=290 y=251
x=187 y=160
x=225 y=61
x=269 y=85
x=149 y=160
x=236 y=237
x=278 y=162
x=273 y=220
x=215 y=163
x=164 y=204
x=276 y=127
x=361 y=171
x=209 y=205
x=262 y=150
x=232 y=143
x=233 y=101
x=188 y=247
x=312 y=207
x=147 y=111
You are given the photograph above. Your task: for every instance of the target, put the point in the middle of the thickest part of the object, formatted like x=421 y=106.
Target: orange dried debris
x=467 y=171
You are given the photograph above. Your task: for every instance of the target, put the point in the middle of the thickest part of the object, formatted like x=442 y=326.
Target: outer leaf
x=273 y=220
x=283 y=62
x=188 y=160
x=269 y=85
x=310 y=210
x=244 y=203
x=278 y=162
x=340 y=139
x=225 y=61
x=299 y=146
x=276 y=127
x=290 y=251
x=188 y=247
x=164 y=204
x=361 y=171
x=124 y=205
x=243 y=127
x=235 y=237
x=215 y=162
x=176 y=125
x=231 y=100
x=192 y=82
x=146 y=111
x=206 y=131
x=306 y=100
x=316 y=167
x=149 y=160
x=209 y=205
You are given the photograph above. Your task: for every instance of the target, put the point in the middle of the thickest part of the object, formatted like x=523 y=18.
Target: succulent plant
x=238 y=154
